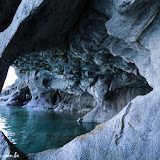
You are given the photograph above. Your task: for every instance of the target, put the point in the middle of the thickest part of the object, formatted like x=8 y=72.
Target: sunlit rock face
x=8 y=151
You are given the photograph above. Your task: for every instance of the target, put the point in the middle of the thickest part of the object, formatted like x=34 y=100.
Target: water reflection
x=34 y=130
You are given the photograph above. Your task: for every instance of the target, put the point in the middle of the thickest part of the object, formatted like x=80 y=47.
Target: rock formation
x=82 y=65
x=17 y=94
x=106 y=51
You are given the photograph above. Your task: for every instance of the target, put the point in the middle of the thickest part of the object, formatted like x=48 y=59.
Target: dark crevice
x=7 y=12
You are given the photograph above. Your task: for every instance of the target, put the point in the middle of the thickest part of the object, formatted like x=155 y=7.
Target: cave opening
x=46 y=90
x=14 y=92
x=11 y=77
x=97 y=111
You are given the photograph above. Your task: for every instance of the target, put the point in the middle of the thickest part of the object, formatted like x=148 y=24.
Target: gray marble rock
x=132 y=134
x=106 y=109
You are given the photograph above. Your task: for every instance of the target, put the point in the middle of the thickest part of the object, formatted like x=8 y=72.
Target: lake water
x=34 y=131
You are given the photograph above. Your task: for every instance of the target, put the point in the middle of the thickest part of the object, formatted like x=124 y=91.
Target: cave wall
x=133 y=133
x=111 y=45
x=84 y=64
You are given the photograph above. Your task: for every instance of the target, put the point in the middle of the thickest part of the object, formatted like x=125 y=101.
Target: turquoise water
x=34 y=130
